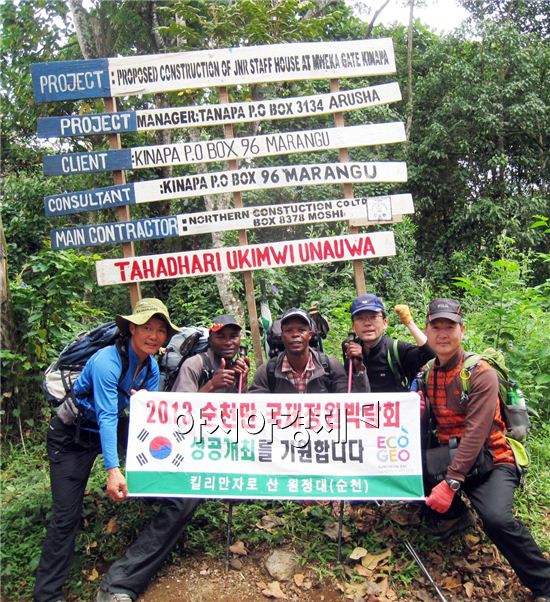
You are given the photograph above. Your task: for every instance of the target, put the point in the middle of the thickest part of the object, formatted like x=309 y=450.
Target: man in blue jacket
x=103 y=395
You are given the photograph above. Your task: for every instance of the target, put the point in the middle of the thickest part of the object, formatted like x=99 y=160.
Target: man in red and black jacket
x=475 y=421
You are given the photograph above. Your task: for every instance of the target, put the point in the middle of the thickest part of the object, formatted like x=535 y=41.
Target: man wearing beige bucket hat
x=103 y=394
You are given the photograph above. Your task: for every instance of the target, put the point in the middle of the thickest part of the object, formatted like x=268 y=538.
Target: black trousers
x=493 y=499
x=70 y=466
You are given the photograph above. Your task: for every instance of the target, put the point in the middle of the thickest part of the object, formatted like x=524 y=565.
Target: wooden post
x=123 y=213
x=358 y=272
x=243 y=240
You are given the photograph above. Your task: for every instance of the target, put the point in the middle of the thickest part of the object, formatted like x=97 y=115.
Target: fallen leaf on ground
x=236 y=564
x=268 y=522
x=273 y=590
x=469 y=588
x=91 y=575
x=354 y=590
x=498 y=585
x=112 y=526
x=331 y=531
x=471 y=539
x=451 y=582
x=371 y=561
x=238 y=548
x=358 y=553
x=362 y=570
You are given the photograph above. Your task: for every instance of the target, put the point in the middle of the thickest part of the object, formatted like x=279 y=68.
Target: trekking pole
x=416 y=558
x=228 y=533
x=341 y=508
x=242 y=353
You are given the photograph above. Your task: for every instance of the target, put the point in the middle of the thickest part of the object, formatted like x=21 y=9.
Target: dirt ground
x=207 y=580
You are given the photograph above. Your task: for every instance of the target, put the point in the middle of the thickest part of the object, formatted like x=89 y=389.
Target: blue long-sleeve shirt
x=102 y=398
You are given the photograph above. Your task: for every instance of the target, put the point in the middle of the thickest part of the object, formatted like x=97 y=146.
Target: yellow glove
x=404 y=313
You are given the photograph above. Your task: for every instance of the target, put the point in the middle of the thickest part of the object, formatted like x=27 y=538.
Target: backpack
x=275 y=341
x=190 y=341
x=61 y=375
x=272 y=363
x=513 y=408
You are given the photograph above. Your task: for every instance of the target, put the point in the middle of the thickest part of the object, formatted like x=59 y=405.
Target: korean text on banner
x=357 y=446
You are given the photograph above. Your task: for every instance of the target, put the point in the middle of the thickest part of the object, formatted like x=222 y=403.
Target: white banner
x=244 y=258
x=357 y=446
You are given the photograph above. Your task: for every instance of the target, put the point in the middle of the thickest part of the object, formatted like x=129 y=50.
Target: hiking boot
x=444 y=528
x=103 y=596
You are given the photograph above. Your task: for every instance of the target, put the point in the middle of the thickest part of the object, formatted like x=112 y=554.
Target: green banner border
x=380 y=487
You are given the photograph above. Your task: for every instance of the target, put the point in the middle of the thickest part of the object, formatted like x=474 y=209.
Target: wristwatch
x=453 y=484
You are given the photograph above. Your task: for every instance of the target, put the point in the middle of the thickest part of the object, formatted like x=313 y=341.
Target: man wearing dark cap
x=219 y=369
x=299 y=368
x=390 y=365
x=475 y=421
x=103 y=394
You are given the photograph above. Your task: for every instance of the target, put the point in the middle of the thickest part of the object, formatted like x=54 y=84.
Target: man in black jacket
x=390 y=365
x=299 y=368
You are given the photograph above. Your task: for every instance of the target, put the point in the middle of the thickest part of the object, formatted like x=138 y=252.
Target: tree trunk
x=85 y=31
x=231 y=303
x=374 y=17
x=7 y=337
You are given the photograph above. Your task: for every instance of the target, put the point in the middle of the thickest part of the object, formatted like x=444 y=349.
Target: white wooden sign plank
x=206 y=115
x=149 y=74
x=243 y=258
x=257 y=178
x=371 y=210
x=247 y=147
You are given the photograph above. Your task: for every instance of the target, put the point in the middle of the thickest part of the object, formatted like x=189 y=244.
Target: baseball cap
x=297 y=314
x=222 y=321
x=367 y=302
x=144 y=310
x=448 y=309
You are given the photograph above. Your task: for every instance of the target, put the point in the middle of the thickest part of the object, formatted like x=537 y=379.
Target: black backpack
x=60 y=376
x=190 y=341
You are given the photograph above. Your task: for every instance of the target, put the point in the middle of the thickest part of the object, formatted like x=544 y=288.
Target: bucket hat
x=144 y=310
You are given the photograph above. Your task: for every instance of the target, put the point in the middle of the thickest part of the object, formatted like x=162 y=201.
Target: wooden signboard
x=247 y=147
x=224 y=181
x=244 y=258
x=129 y=76
x=373 y=210
x=233 y=112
